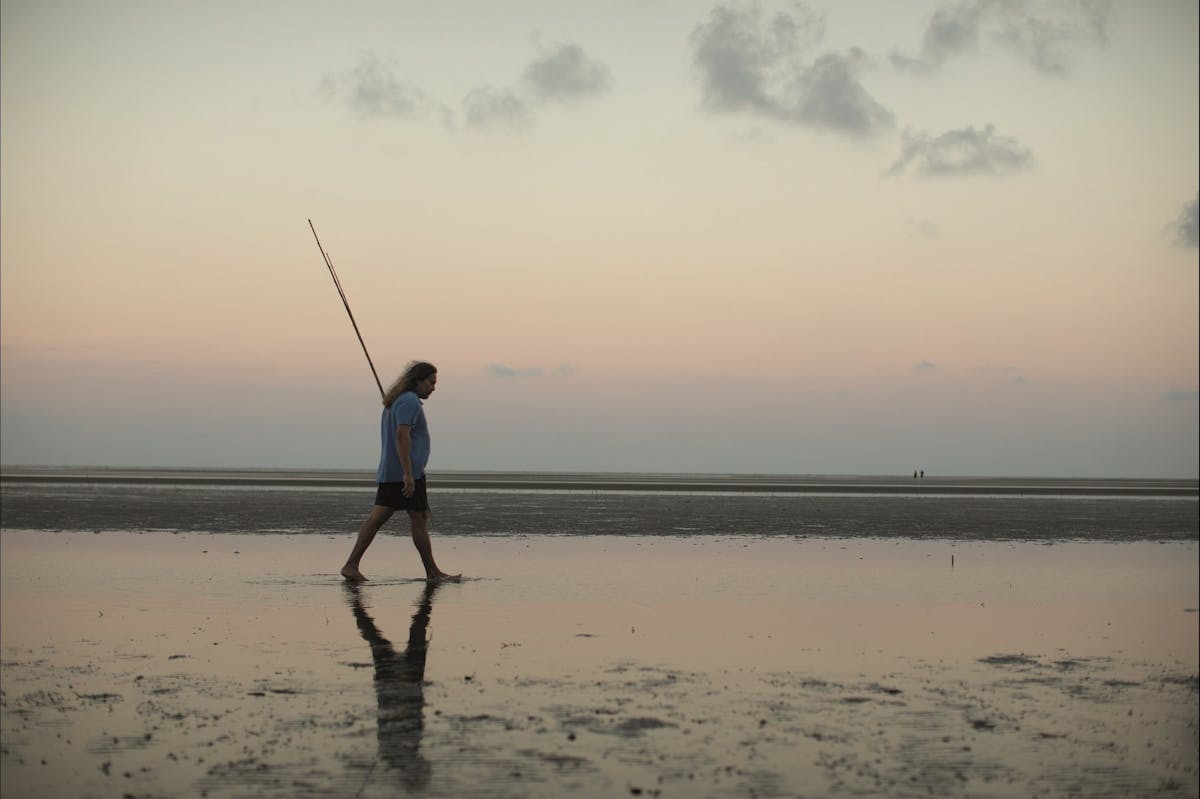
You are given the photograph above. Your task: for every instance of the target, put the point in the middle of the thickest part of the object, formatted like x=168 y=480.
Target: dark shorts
x=391 y=495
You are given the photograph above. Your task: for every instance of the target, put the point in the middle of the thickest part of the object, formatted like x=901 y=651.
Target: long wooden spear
x=345 y=302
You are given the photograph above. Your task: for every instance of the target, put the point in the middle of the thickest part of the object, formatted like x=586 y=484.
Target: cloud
x=565 y=73
x=751 y=64
x=739 y=55
x=1048 y=43
x=952 y=30
x=925 y=366
x=1045 y=34
x=1184 y=227
x=507 y=372
x=1179 y=395
x=372 y=90
x=829 y=95
x=924 y=227
x=560 y=74
x=490 y=107
x=966 y=151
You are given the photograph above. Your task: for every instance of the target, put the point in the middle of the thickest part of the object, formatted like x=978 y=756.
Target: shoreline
x=618 y=482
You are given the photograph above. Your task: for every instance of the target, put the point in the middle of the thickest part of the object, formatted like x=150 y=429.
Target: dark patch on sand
x=720 y=734
x=277 y=511
x=1010 y=660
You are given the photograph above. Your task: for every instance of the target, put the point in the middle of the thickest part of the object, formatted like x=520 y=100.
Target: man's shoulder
x=407 y=403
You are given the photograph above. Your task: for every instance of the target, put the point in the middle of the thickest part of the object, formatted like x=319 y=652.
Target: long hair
x=414 y=373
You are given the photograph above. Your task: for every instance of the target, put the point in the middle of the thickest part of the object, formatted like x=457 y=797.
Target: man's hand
x=410 y=486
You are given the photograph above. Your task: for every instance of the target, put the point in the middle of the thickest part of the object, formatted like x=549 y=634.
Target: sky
x=862 y=237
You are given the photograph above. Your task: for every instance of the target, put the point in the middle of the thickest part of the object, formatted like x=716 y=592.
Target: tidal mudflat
x=230 y=665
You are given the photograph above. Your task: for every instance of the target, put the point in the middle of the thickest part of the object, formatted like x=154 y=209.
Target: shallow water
x=224 y=665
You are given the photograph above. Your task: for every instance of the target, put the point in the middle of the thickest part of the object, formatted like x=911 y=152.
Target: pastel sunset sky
x=859 y=237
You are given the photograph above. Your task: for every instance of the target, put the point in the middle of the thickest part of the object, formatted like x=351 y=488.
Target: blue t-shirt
x=406 y=409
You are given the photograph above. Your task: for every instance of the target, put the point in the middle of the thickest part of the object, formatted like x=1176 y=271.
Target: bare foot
x=353 y=575
x=441 y=575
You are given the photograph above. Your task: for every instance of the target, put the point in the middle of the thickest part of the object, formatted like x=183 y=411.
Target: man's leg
x=420 y=536
x=366 y=534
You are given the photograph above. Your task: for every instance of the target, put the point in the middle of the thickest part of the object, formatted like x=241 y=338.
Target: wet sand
x=230 y=665
x=254 y=508
x=618 y=481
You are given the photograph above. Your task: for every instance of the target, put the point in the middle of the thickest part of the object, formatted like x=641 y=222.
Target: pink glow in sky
x=861 y=237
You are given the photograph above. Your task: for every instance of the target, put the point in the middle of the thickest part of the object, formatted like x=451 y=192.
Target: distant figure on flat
x=404 y=451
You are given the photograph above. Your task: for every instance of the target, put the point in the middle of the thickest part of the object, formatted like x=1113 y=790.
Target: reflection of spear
x=346 y=302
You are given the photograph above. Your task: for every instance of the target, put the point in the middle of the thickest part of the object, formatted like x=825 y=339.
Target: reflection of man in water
x=399 y=687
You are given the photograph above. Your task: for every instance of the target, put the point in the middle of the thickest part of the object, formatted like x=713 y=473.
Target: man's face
x=426 y=387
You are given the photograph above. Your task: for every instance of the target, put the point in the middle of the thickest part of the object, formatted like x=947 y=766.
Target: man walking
x=404 y=451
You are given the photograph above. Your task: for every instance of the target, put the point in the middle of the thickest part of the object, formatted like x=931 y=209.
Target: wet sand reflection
x=399 y=687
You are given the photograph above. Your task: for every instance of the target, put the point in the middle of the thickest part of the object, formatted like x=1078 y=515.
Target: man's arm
x=404 y=450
